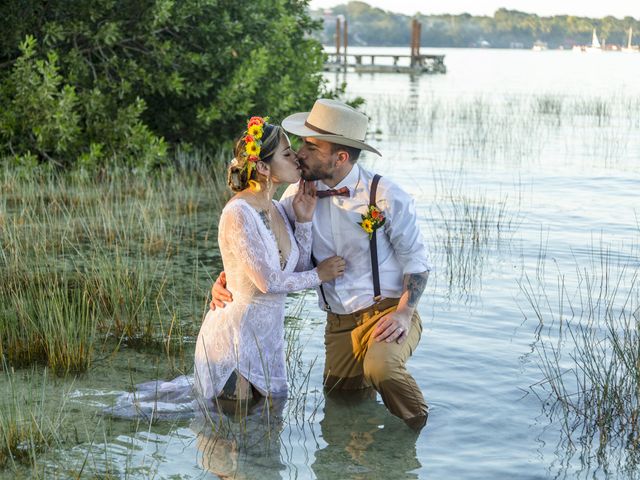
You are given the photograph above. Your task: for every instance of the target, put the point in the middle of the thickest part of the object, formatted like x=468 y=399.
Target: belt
x=379 y=305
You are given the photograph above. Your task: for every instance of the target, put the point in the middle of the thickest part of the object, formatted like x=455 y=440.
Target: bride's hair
x=237 y=171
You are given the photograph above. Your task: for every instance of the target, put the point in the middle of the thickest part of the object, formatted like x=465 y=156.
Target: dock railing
x=415 y=62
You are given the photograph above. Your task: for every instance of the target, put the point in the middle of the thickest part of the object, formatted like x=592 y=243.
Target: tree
x=91 y=81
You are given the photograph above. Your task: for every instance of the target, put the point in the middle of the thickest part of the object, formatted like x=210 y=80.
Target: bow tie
x=341 y=192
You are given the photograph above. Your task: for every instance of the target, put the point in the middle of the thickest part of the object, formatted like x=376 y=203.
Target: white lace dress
x=248 y=334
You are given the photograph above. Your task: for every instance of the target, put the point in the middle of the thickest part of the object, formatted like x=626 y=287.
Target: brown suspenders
x=374 y=243
x=373 y=248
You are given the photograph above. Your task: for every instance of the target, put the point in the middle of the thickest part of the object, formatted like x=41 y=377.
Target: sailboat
x=594 y=47
x=595 y=44
x=630 y=47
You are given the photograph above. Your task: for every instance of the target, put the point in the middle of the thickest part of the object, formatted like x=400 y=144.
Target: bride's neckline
x=261 y=213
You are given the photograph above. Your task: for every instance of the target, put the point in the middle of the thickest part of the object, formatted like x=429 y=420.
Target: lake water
x=524 y=169
x=549 y=142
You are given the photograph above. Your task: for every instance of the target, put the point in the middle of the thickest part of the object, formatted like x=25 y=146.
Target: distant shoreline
x=506 y=29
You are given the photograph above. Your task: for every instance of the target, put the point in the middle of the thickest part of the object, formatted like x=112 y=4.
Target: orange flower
x=373 y=220
x=248 y=139
x=255 y=121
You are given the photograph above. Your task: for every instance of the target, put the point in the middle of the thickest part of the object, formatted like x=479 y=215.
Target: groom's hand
x=220 y=293
x=393 y=327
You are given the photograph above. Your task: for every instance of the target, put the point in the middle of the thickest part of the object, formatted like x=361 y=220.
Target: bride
x=240 y=349
x=239 y=352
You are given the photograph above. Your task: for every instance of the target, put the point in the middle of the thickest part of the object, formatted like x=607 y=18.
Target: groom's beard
x=318 y=173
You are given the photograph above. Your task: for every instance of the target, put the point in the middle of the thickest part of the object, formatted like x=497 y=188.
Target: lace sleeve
x=303 y=239
x=239 y=229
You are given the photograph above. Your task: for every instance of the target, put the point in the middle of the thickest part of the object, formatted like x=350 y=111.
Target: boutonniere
x=372 y=221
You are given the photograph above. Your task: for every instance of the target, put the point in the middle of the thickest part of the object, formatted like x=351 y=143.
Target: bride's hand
x=304 y=201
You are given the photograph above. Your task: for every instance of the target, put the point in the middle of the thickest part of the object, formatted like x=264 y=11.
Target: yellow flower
x=253 y=148
x=255 y=131
x=254 y=186
x=367 y=225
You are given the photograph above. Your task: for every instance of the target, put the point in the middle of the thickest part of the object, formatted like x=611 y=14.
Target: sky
x=582 y=8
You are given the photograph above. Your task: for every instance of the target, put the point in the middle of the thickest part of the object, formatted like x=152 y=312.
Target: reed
x=88 y=259
x=510 y=129
x=304 y=402
x=587 y=343
x=464 y=229
x=30 y=422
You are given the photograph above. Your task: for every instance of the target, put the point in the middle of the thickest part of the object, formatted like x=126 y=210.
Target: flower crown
x=253 y=143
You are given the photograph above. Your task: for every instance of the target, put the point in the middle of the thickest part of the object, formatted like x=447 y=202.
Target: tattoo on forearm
x=414 y=284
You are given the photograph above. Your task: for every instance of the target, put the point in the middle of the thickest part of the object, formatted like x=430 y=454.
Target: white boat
x=539 y=46
x=595 y=46
x=631 y=48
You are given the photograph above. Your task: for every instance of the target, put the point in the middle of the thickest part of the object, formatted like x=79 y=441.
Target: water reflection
x=588 y=458
x=364 y=441
x=241 y=443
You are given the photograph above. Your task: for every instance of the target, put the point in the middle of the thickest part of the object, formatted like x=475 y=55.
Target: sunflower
x=367 y=225
x=253 y=149
x=255 y=131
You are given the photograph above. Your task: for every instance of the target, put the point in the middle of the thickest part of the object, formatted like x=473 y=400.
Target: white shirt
x=401 y=249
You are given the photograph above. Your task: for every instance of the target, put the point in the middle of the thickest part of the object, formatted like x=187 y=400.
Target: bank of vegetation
x=90 y=84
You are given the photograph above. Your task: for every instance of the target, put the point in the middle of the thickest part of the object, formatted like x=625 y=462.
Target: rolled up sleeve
x=402 y=229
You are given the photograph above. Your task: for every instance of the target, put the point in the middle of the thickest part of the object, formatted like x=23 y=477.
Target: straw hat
x=331 y=121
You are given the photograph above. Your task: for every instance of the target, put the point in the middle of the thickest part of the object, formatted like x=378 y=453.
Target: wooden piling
x=414 y=29
x=346 y=41
x=418 y=63
x=338 y=38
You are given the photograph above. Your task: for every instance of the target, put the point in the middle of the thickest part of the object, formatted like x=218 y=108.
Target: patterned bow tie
x=341 y=192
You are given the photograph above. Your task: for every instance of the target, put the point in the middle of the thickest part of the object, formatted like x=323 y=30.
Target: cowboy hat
x=331 y=121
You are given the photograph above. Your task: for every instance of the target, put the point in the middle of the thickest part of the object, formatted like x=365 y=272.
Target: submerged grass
x=588 y=341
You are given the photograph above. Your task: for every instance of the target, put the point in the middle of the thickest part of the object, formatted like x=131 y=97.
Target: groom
x=372 y=322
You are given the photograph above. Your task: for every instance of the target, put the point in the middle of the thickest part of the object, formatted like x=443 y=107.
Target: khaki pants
x=354 y=360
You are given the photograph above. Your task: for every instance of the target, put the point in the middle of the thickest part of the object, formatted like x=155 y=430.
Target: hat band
x=319 y=130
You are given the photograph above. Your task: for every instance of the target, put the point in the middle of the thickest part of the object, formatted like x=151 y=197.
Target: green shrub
x=86 y=84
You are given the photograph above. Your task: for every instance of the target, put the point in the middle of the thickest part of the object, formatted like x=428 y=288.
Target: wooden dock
x=366 y=63
x=415 y=63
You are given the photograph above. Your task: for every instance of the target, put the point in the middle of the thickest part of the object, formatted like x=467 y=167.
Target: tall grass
x=465 y=229
x=466 y=225
x=588 y=347
x=510 y=129
x=30 y=421
x=86 y=259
